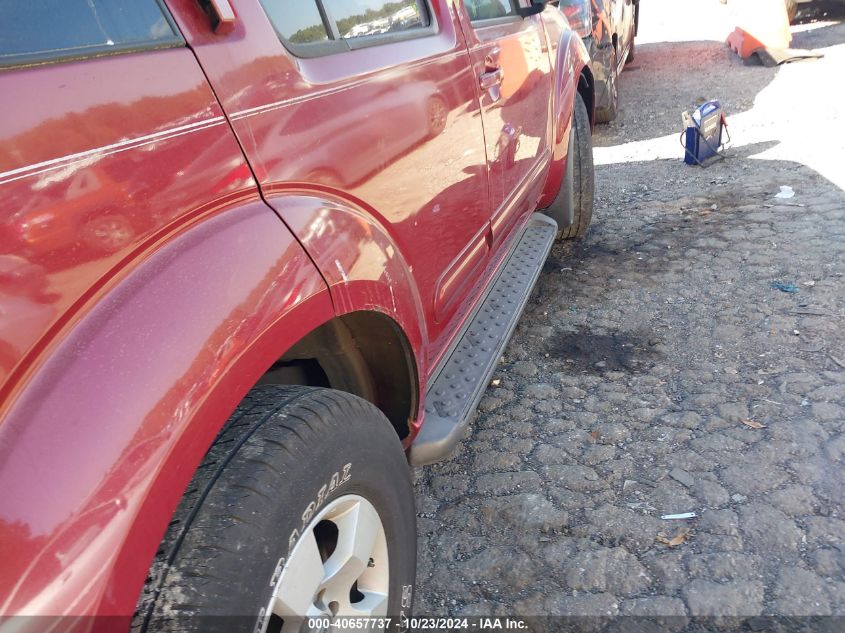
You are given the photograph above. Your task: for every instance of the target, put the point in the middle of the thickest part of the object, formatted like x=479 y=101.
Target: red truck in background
x=255 y=257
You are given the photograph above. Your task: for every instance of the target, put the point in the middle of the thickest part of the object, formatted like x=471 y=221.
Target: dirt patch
x=598 y=353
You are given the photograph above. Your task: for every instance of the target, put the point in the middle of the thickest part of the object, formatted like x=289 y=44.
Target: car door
x=371 y=102
x=510 y=61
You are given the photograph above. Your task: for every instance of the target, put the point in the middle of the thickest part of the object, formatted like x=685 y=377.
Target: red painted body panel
x=91 y=175
x=425 y=186
x=145 y=285
x=83 y=530
x=113 y=342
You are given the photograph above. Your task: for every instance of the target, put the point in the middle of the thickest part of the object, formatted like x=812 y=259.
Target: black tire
x=249 y=503
x=583 y=175
x=609 y=110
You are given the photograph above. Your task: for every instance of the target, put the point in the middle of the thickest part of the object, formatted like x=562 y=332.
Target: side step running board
x=453 y=396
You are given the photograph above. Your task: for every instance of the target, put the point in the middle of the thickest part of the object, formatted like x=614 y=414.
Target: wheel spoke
x=358 y=528
x=300 y=580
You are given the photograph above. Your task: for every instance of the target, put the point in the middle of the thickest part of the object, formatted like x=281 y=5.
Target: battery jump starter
x=702 y=137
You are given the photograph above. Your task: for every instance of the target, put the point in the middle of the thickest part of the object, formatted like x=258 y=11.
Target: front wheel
x=302 y=513
x=581 y=180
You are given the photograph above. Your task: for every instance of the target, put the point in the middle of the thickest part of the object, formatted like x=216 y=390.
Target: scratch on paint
x=393 y=299
x=342 y=272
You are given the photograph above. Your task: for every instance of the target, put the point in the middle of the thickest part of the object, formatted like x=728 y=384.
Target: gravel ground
x=657 y=370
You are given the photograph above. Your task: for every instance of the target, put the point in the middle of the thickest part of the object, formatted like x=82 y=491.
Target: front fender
x=97 y=449
x=571 y=60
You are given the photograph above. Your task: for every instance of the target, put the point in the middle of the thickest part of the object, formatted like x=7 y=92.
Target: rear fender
x=570 y=63
x=360 y=260
x=96 y=451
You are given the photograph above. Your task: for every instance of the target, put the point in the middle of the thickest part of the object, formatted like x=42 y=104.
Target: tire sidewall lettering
x=337 y=479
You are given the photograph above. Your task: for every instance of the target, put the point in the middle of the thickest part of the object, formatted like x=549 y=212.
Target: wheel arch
x=573 y=76
x=587 y=90
x=126 y=404
x=365 y=353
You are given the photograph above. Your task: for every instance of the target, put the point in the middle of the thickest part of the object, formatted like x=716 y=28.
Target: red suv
x=255 y=256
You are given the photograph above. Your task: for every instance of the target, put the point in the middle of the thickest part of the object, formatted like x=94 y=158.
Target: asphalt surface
x=657 y=369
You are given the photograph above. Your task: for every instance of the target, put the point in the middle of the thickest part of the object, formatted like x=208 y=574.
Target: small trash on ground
x=785 y=287
x=679 y=539
x=753 y=424
x=645 y=506
x=809 y=284
x=496 y=382
x=785 y=192
x=683 y=515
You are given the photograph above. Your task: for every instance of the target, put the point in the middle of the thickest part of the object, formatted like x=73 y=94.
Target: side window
x=297 y=21
x=374 y=17
x=489 y=9
x=48 y=30
x=318 y=27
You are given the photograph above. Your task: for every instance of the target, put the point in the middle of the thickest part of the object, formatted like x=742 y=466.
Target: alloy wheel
x=338 y=568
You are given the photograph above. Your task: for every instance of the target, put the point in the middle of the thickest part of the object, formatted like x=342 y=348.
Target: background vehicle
x=211 y=402
x=608 y=28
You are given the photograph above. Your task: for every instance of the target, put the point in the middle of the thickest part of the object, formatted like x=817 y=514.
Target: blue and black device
x=702 y=138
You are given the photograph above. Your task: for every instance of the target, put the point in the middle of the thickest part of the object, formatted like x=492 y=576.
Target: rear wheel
x=303 y=508
x=583 y=176
x=582 y=183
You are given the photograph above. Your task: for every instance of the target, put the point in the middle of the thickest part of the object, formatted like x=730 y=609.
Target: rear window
x=35 y=31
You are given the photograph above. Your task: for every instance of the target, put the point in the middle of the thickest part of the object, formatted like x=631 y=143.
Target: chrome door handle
x=491 y=79
x=221 y=13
